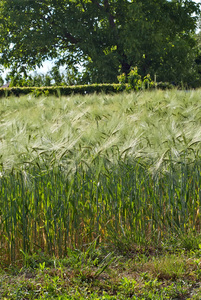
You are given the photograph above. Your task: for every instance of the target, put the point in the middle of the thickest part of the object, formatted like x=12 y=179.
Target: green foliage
x=164 y=86
x=60 y=90
x=198 y=56
x=1 y=81
x=147 y=82
x=151 y=275
x=51 y=78
x=101 y=36
x=122 y=79
x=135 y=81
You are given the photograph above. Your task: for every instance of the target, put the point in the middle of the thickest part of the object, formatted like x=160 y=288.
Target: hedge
x=68 y=90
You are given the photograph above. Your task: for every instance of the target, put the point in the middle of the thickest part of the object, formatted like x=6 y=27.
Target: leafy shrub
x=134 y=81
x=147 y=82
x=164 y=86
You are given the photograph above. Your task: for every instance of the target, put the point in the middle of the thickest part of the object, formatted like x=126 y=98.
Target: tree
x=1 y=81
x=52 y=78
x=105 y=36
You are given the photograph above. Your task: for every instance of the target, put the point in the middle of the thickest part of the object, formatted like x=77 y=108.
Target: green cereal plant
x=117 y=168
x=56 y=212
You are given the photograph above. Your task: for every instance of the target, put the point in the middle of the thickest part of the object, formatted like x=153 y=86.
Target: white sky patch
x=45 y=68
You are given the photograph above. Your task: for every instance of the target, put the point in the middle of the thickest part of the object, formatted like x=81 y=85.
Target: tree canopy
x=105 y=36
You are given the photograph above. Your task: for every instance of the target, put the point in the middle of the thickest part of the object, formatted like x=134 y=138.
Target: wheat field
x=118 y=168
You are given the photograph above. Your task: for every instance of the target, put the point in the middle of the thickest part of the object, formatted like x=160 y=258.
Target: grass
x=94 y=179
x=104 y=274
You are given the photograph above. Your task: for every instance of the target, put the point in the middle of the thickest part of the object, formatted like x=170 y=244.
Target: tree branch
x=70 y=38
x=107 y=9
x=96 y=3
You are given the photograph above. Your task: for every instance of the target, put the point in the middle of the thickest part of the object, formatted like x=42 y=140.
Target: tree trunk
x=125 y=67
